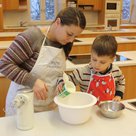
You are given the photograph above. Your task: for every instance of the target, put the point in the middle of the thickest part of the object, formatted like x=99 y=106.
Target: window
x=42 y=11
x=128 y=8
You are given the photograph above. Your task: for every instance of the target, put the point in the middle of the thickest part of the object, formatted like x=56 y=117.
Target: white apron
x=50 y=64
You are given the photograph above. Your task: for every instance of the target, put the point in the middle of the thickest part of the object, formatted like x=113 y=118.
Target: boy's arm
x=73 y=77
x=120 y=85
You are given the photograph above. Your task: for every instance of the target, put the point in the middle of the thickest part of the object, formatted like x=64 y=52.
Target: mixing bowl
x=111 y=109
x=75 y=108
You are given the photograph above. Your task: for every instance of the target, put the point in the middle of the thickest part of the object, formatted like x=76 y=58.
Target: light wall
x=91 y=17
x=12 y=18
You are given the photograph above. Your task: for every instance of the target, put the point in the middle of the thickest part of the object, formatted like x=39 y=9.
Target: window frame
x=43 y=20
x=126 y=21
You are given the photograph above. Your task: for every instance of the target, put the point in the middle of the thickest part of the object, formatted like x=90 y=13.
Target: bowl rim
x=109 y=101
x=94 y=101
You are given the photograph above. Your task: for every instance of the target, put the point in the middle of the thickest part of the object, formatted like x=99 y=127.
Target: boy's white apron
x=49 y=65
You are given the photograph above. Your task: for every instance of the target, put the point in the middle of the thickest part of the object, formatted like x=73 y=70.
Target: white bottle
x=23 y=103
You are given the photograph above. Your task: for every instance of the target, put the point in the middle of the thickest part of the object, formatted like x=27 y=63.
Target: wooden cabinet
x=10 y=5
x=1 y=17
x=23 y=4
x=95 y=4
x=84 y=2
x=96 y=33
x=4 y=85
x=16 y=5
x=2 y=51
x=81 y=49
x=86 y=48
x=129 y=73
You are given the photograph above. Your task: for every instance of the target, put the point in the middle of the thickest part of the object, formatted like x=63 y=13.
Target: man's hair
x=105 y=45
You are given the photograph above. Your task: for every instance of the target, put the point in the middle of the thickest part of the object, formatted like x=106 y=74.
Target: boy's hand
x=59 y=88
x=117 y=98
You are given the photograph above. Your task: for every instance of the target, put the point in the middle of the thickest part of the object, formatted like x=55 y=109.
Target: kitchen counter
x=120 y=39
x=82 y=41
x=5 y=44
x=108 y=31
x=8 y=34
x=122 y=26
x=16 y=27
x=50 y=124
x=129 y=54
x=85 y=32
x=83 y=45
x=94 y=32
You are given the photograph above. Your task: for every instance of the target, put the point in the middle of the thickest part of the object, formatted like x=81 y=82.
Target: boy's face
x=100 y=63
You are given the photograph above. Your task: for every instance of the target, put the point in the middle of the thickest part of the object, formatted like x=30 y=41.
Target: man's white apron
x=50 y=64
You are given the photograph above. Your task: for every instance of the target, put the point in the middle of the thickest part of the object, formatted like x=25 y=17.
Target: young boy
x=101 y=78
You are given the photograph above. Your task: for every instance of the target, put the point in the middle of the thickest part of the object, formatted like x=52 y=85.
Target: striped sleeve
x=10 y=64
x=81 y=77
x=119 y=79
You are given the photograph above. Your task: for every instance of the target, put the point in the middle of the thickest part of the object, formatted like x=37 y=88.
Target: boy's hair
x=72 y=16
x=105 y=45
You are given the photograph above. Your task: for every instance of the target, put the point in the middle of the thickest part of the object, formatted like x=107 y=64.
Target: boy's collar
x=107 y=71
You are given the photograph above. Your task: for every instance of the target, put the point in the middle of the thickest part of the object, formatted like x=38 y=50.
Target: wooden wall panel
x=1 y=17
x=4 y=85
x=130 y=75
